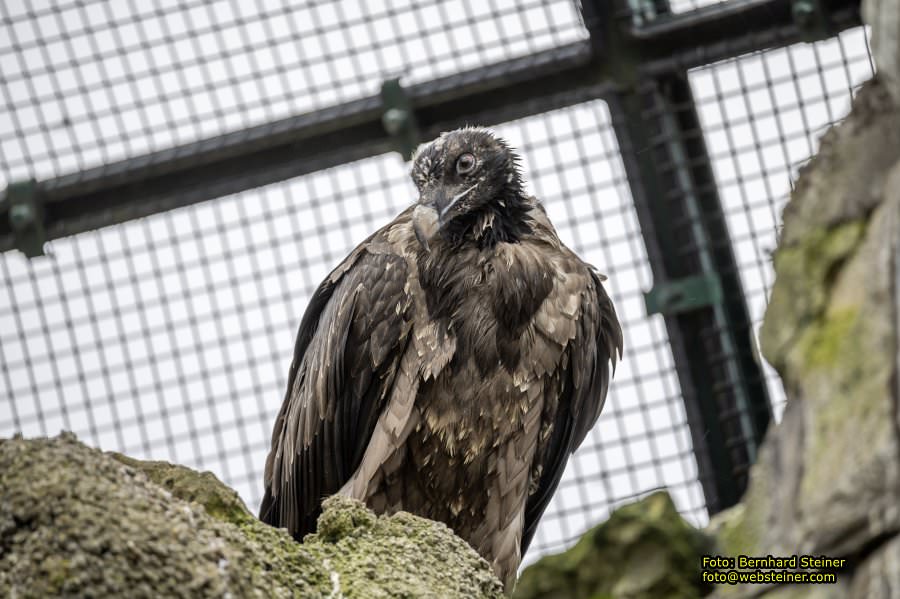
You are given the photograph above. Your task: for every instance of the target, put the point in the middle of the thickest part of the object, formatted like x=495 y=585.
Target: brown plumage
x=450 y=364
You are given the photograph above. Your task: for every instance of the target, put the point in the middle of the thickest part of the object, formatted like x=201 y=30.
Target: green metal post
x=697 y=284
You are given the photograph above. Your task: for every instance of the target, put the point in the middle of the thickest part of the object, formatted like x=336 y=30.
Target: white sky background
x=170 y=337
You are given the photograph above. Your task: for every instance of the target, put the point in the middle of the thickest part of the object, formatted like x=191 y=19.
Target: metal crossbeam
x=501 y=92
x=697 y=284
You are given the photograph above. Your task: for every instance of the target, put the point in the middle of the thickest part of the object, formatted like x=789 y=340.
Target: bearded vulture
x=450 y=364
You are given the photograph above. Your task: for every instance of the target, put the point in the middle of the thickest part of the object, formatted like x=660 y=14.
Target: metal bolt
x=804 y=11
x=394 y=119
x=21 y=215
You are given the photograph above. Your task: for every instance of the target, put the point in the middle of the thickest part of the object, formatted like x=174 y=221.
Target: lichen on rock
x=219 y=501
x=644 y=551
x=77 y=522
x=806 y=268
x=427 y=560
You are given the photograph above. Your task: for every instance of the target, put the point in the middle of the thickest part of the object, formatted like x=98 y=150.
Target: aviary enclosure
x=180 y=175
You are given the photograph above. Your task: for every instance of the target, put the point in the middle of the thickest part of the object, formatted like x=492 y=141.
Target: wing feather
x=346 y=355
x=584 y=381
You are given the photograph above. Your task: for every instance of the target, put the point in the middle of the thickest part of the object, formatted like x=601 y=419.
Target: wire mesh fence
x=169 y=337
x=86 y=83
x=762 y=116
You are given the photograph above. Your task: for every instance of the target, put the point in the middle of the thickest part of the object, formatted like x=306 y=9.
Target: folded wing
x=585 y=379
x=346 y=356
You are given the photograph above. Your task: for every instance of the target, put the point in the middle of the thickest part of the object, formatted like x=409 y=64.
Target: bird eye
x=465 y=164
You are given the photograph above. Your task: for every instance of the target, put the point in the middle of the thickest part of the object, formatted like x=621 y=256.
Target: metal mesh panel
x=86 y=83
x=679 y=206
x=762 y=116
x=170 y=337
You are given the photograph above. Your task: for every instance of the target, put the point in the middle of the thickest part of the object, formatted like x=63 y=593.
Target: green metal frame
x=512 y=89
x=683 y=295
x=25 y=215
x=399 y=119
x=697 y=286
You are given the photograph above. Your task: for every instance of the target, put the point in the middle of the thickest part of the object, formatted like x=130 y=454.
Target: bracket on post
x=398 y=117
x=682 y=295
x=810 y=18
x=25 y=212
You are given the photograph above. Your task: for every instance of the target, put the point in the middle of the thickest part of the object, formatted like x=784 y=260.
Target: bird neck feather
x=504 y=219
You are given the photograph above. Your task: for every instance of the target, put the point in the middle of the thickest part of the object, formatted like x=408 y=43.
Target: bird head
x=461 y=176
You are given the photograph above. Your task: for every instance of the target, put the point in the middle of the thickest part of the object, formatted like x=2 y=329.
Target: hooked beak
x=431 y=214
x=426 y=223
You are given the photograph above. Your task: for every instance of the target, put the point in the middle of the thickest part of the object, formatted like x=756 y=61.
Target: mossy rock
x=77 y=522
x=806 y=271
x=204 y=488
x=645 y=550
